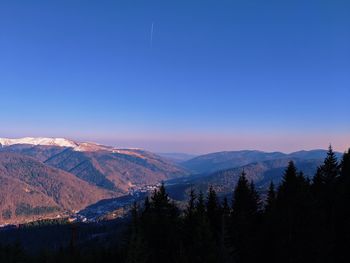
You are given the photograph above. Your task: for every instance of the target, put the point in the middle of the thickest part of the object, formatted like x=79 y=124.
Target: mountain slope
x=177 y=157
x=104 y=166
x=116 y=170
x=31 y=189
x=212 y=162
x=224 y=181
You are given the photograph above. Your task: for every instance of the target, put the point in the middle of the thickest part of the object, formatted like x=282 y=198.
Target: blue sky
x=214 y=75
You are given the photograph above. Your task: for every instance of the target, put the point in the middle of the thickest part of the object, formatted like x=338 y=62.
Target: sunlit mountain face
x=49 y=170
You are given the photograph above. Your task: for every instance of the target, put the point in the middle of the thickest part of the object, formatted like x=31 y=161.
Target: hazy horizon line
x=216 y=148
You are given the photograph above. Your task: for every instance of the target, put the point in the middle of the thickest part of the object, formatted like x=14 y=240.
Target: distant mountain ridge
x=177 y=157
x=224 y=181
x=213 y=162
x=222 y=169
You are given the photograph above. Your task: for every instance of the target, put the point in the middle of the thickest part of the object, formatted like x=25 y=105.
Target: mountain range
x=46 y=176
x=212 y=162
x=221 y=170
x=50 y=177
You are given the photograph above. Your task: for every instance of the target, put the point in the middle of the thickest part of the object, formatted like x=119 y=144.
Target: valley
x=88 y=182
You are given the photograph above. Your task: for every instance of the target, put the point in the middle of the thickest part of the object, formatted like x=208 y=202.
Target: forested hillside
x=301 y=220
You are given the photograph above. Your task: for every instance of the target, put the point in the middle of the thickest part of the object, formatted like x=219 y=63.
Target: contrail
x=152 y=27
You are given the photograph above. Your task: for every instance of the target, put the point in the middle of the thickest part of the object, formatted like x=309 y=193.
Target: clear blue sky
x=213 y=75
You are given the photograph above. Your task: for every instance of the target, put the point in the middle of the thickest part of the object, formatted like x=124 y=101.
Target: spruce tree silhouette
x=205 y=243
x=268 y=229
x=136 y=250
x=160 y=227
x=342 y=218
x=271 y=198
x=293 y=216
x=190 y=223
x=244 y=217
x=325 y=193
x=226 y=250
x=214 y=214
x=325 y=177
x=191 y=206
x=226 y=210
x=197 y=235
x=244 y=202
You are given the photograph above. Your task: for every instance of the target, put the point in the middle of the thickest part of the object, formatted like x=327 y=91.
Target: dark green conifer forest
x=299 y=220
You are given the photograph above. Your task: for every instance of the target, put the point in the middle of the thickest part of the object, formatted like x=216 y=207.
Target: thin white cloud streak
x=152 y=29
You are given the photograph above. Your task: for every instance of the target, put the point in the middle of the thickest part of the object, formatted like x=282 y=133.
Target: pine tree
x=330 y=167
x=326 y=175
x=256 y=201
x=212 y=204
x=271 y=198
x=190 y=209
x=225 y=207
x=244 y=219
x=342 y=214
x=226 y=249
x=289 y=183
x=268 y=233
x=214 y=214
x=242 y=198
x=197 y=235
x=345 y=166
x=160 y=199
x=286 y=205
x=326 y=194
x=293 y=217
x=136 y=246
x=160 y=227
x=189 y=225
x=200 y=205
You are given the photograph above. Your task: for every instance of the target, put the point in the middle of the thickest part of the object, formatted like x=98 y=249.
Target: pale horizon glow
x=206 y=143
x=175 y=76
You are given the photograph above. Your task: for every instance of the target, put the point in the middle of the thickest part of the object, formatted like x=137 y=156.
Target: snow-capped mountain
x=62 y=142
x=39 y=141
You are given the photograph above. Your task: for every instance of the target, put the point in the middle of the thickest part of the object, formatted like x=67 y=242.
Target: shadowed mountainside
x=177 y=157
x=224 y=181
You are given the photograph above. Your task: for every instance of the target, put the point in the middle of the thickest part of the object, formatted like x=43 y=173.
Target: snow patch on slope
x=39 y=141
x=61 y=142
